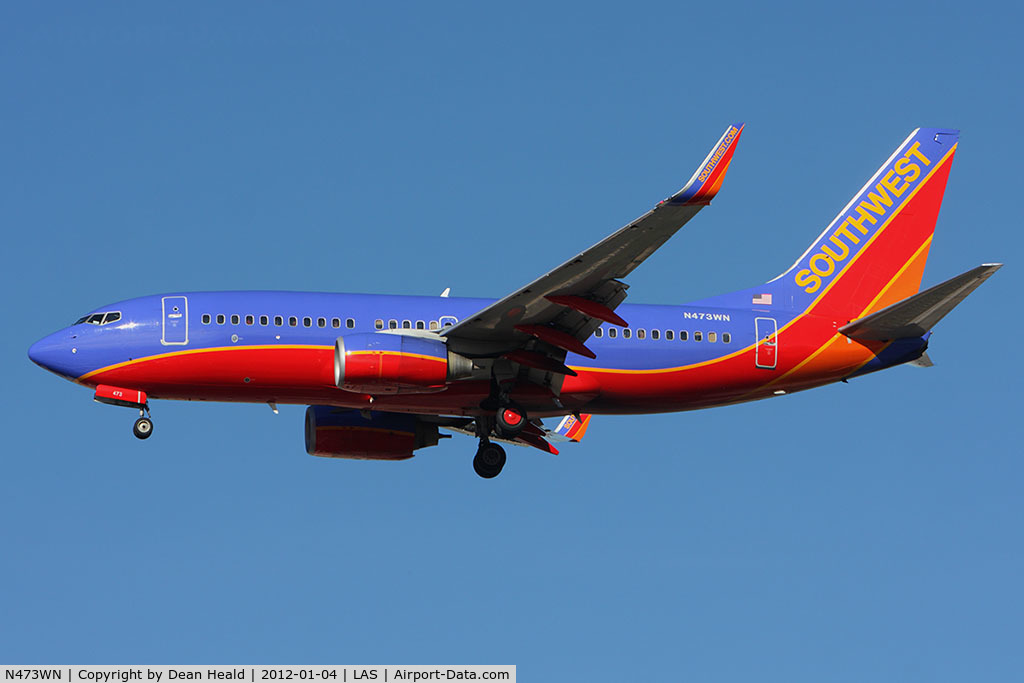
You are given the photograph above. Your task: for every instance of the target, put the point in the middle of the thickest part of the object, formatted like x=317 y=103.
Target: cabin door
x=766 y=352
x=175 y=321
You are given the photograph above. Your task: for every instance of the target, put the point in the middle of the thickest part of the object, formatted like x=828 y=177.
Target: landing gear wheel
x=489 y=460
x=143 y=428
x=510 y=420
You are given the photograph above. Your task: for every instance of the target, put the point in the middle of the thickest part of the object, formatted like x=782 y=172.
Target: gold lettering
x=845 y=232
x=862 y=215
x=808 y=281
x=839 y=243
x=889 y=182
x=822 y=272
x=908 y=169
x=875 y=201
x=915 y=151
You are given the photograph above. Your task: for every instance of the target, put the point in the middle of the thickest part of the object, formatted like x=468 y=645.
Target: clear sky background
x=862 y=531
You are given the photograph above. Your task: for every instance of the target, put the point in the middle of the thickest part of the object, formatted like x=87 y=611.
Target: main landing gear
x=143 y=428
x=489 y=460
x=507 y=422
x=510 y=420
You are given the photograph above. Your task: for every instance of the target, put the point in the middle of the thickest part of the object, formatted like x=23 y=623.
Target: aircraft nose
x=50 y=352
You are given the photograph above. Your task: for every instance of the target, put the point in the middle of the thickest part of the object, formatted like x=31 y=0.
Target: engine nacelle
x=384 y=363
x=340 y=433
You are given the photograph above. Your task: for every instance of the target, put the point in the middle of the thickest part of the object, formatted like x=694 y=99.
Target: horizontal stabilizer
x=918 y=314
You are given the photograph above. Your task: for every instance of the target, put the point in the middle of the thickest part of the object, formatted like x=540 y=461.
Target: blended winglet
x=916 y=315
x=708 y=177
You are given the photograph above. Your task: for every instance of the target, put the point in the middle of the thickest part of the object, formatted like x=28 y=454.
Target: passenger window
x=655 y=334
x=599 y=333
x=278 y=320
x=670 y=335
x=250 y=320
x=712 y=337
x=420 y=325
x=379 y=324
x=392 y=324
x=307 y=321
x=433 y=324
x=697 y=336
x=264 y=320
x=406 y=325
x=235 y=319
x=726 y=337
x=293 y=321
x=350 y=323
x=220 y=318
x=627 y=333
x=683 y=335
x=321 y=322
x=335 y=322
x=613 y=332
x=641 y=333
x=206 y=318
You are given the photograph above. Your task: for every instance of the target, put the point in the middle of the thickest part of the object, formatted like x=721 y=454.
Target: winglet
x=708 y=177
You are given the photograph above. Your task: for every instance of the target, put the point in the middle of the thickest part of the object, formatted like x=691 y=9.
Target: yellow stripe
x=878 y=232
x=896 y=277
x=838 y=337
x=657 y=370
x=814 y=303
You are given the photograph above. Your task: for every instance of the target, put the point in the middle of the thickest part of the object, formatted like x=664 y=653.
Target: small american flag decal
x=763 y=299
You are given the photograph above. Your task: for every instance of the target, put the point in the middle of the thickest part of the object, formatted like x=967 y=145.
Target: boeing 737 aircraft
x=382 y=374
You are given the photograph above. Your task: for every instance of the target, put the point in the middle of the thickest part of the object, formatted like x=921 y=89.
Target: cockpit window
x=99 y=318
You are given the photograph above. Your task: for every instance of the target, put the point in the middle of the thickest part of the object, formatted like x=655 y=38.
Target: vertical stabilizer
x=874 y=252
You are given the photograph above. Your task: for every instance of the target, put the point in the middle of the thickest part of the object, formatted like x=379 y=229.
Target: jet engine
x=341 y=433
x=384 y=363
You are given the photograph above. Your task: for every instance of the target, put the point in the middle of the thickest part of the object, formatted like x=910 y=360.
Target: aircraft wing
x=557 y=312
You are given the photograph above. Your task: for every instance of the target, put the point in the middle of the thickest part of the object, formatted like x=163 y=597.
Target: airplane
x=381 y=375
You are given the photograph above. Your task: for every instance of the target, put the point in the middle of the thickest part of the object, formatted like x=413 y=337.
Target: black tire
x=489 y=460
x=143 y=428
x=510 y=420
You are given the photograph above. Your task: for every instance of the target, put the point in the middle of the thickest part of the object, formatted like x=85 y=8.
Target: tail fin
x=873 y=253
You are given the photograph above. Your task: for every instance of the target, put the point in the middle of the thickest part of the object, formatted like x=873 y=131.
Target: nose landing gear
x=143 y=428
x=128 y=398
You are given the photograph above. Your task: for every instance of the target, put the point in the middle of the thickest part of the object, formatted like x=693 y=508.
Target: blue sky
x=869 y=530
